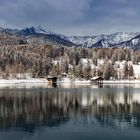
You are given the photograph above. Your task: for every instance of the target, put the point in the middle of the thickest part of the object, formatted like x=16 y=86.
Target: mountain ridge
x=39 y=35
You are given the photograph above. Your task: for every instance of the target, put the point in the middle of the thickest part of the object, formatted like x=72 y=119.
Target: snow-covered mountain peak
x=120 y=37
x=40 y=30
x=35 y=30
x=105 y=40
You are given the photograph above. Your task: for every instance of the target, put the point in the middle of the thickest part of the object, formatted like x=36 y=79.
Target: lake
x=69 y=112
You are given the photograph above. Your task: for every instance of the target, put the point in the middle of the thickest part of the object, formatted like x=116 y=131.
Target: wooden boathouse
x=97 y=79
x=52 y=79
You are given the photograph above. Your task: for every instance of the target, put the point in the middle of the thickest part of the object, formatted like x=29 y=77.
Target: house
x=97 y=79
x=52 y=79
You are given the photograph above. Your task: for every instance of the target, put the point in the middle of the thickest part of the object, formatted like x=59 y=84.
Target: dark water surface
x=38 y=112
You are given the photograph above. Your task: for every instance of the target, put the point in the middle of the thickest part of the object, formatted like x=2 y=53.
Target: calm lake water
x=69 y=112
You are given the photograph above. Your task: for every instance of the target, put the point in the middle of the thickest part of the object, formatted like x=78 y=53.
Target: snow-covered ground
x=76 y=81
x=121 y=81
x=136 y=71
x=65 y=81
x=16 y=81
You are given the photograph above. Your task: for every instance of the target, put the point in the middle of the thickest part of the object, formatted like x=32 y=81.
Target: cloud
x=55 y=12
x=127 y=12
x=72 y=17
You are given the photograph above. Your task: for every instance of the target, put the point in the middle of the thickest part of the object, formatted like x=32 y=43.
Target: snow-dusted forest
x=38 y=61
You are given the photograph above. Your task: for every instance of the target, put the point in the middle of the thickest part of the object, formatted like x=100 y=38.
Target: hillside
x=31 y=35
x=39 y=36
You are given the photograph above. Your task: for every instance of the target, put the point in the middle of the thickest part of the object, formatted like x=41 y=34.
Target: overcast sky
x=72 y=17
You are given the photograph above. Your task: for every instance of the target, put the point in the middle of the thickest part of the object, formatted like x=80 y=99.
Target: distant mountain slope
x=7 y=38
x=37 y=35
x=32 y=36
x=102 y=40
x=48 y=39
x=33 y=31
x=133 y=43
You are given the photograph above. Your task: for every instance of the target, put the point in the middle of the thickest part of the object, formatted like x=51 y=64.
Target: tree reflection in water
x=28 y=108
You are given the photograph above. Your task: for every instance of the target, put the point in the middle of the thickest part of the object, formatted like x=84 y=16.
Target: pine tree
x=130 y=71
x=87 y=71
x=126 y=70
x=79 y=70
x=107 y=71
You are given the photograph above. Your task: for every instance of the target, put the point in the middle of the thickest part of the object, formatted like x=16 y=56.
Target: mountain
x=133 y=43
x=122 y=40
x=38 y=35
x=102 y=40
x=8 y=38
x=33 y=35
x=34 y=31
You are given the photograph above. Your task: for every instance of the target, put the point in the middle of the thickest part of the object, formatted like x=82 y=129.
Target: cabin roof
x=51 y=77
x=97 y=78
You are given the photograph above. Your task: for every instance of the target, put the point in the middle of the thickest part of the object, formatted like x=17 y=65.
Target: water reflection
x=26 y=109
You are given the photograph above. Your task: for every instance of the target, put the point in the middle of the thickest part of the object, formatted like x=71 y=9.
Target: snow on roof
x=95 y=78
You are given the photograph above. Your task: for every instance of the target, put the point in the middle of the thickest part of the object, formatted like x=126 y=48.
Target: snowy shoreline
x=17 y=81
x=121 y=82
x=43 y=80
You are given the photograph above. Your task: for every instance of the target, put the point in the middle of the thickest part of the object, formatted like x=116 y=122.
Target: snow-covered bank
x=78 y=81
x=43 y=80
x=121 y=82
x=105 y=82
x=75 y=82
x=16 y=81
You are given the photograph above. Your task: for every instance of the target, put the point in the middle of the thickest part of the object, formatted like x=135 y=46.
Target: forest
x=43 y=60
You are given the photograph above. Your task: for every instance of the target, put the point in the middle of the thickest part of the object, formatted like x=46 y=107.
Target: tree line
x=43 y=60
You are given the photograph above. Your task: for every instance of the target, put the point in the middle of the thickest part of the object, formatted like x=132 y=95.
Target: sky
x=72 y=17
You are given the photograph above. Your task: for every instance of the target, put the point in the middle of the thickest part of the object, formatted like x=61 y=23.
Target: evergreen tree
x=126 y=70
x=107 y=71
x=130 y=71
x=87 y=71
x=79 y=70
